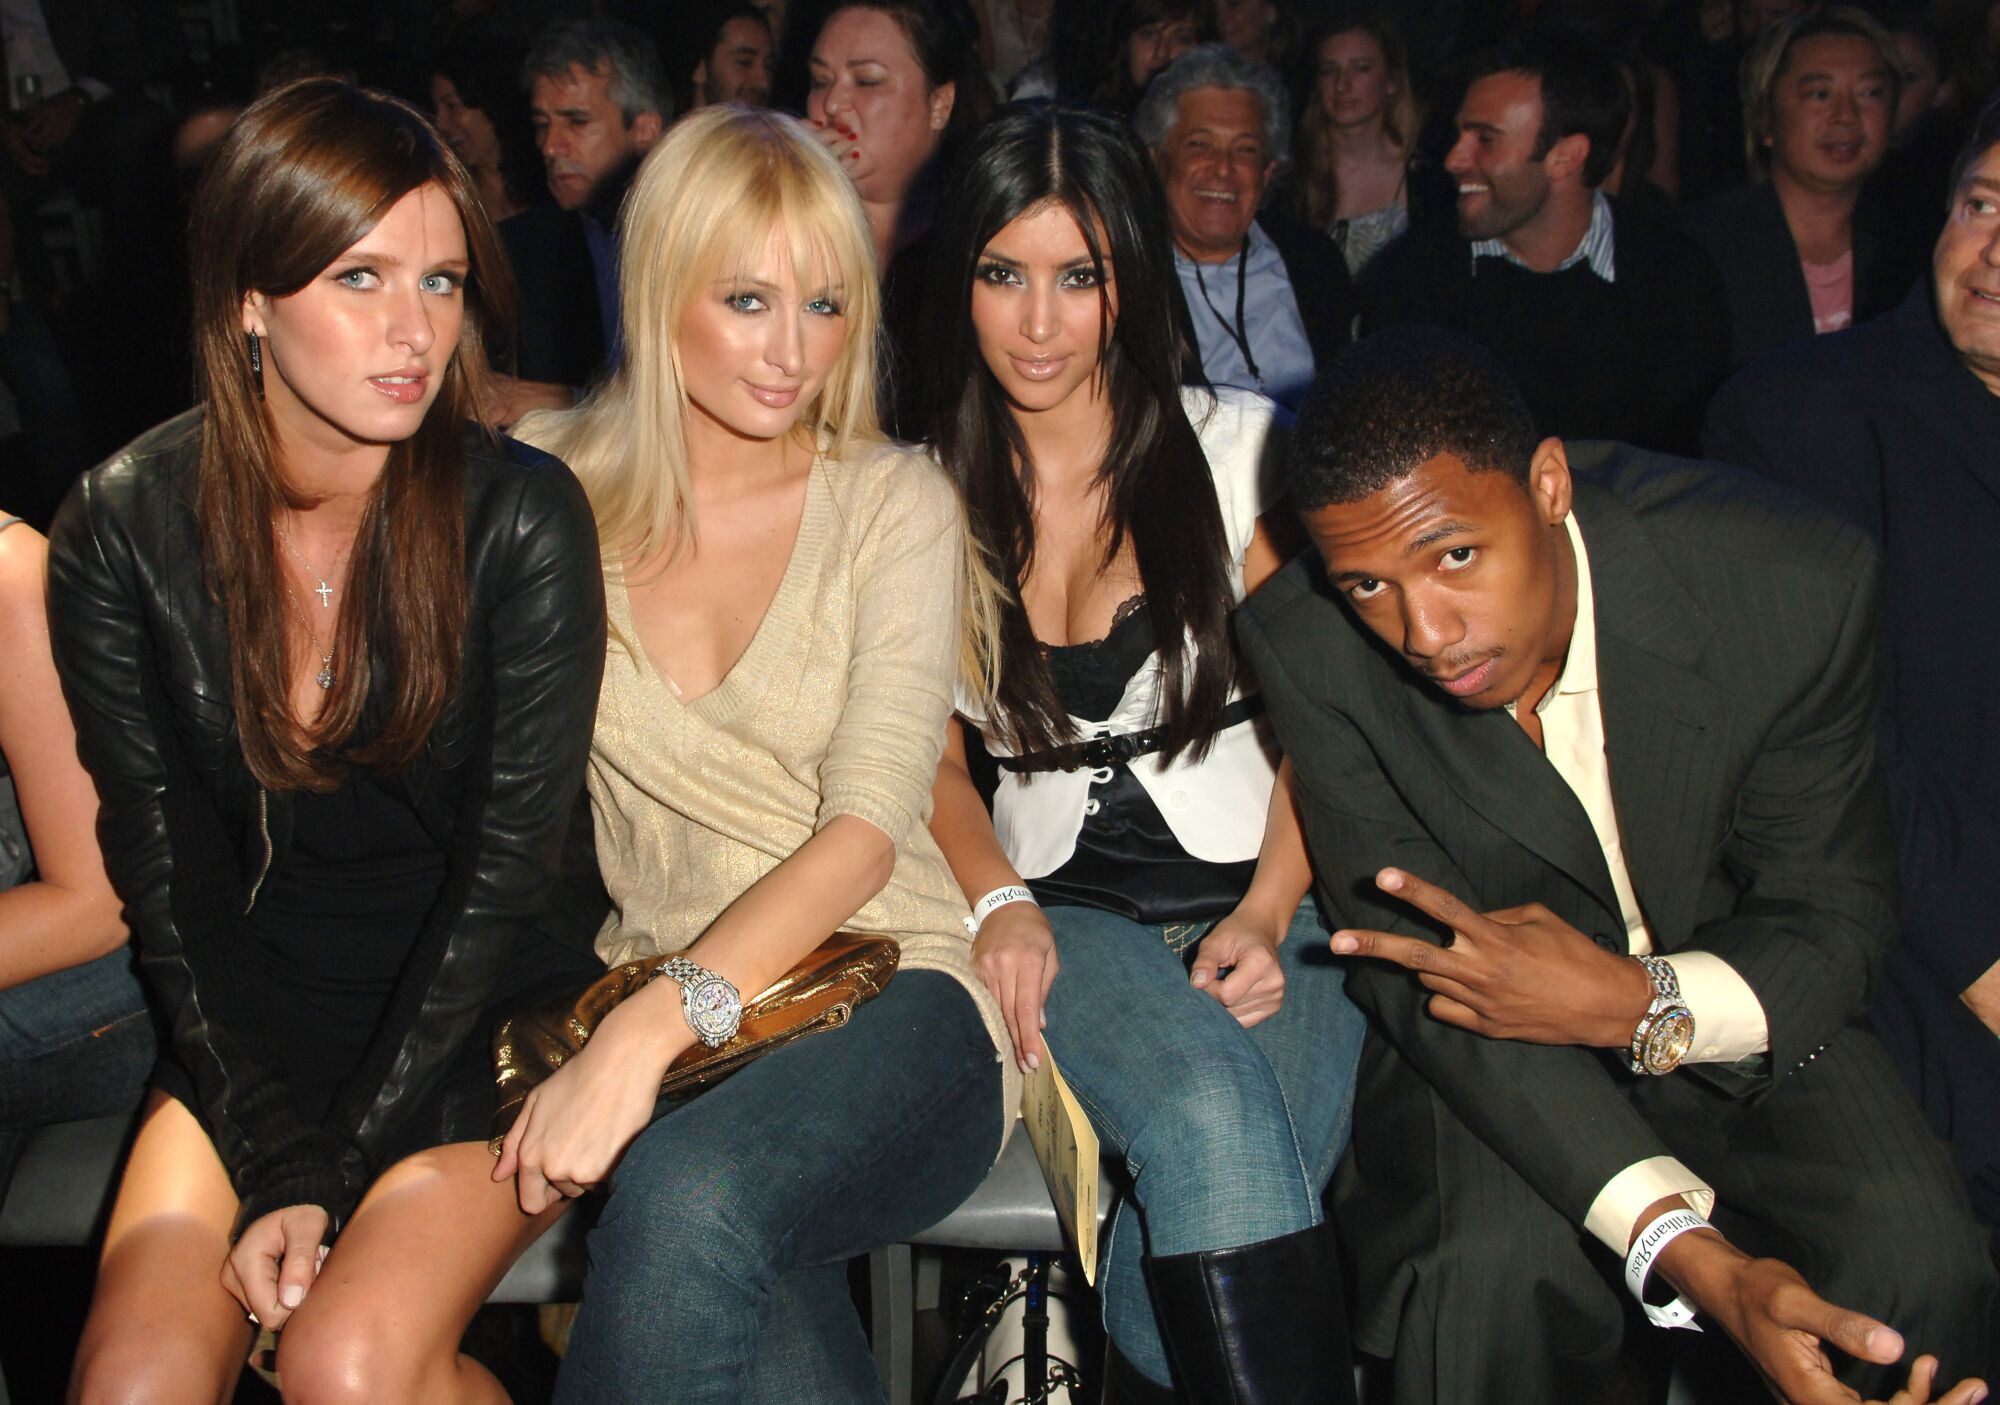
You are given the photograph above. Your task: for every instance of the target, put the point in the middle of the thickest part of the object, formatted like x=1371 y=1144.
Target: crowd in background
x=94 y=177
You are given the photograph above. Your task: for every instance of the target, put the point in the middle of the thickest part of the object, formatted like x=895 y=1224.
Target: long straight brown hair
x=303 y=174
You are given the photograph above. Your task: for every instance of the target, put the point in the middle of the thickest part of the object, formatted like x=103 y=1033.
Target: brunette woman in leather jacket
x=333 y=653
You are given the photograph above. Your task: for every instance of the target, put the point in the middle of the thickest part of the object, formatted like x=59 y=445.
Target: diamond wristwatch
x=711 y=1004
x=1666 y=1030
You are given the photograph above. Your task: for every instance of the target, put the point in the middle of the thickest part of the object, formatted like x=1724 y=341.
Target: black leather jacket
x=189 y=835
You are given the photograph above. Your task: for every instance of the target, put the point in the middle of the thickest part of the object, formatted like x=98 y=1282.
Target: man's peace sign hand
x=1519 y=973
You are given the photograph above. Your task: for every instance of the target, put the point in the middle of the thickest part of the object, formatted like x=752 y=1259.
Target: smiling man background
x=1623 y=722
x=1268 y=298
x=1614 y=325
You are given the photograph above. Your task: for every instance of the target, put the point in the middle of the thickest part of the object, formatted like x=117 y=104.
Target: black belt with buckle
x=1118 y=747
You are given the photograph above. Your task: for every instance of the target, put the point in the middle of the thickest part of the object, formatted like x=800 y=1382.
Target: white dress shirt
x=1729 y=1021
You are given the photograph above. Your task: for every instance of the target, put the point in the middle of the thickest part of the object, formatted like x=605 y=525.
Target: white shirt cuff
x=1614 y=1214
x=1729 y=1021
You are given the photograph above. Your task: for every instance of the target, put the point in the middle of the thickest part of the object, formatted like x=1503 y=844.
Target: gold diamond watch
x=1666 y=1030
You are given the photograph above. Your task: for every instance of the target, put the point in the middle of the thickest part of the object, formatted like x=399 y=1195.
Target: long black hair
x=1156 y=480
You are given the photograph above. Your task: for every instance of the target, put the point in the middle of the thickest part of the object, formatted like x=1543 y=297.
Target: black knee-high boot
x=1264 y=1324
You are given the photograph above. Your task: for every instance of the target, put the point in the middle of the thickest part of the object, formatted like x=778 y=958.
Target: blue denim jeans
x=717 y=1270
x=75 y=1043
x=1229 y=1134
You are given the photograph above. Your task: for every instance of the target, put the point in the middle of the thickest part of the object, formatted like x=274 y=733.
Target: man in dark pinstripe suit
x=1553 y=723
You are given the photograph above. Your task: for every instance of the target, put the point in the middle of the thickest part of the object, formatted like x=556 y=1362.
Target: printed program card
x=1066 y=1146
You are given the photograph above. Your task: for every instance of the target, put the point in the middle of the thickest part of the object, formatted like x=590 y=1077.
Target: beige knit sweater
x=837 y=707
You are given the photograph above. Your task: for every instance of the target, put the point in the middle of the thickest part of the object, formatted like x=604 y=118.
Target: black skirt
x=337 y=921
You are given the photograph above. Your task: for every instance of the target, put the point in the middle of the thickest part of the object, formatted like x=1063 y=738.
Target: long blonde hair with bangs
x=713 y=190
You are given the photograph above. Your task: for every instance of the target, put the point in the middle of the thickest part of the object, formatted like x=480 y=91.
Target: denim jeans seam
x=1307 y=1181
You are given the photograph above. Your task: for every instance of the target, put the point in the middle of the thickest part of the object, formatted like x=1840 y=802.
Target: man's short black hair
x=1985 y=134
x=1396 y=400
x=1582 y=91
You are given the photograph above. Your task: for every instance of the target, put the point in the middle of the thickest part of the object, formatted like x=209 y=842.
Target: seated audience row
x=399 y=726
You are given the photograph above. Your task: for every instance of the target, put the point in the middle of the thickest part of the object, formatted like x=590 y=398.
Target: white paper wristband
x=1639 y=1265
x=999 y=897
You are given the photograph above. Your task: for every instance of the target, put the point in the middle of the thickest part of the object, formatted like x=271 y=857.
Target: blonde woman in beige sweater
x=783 y=589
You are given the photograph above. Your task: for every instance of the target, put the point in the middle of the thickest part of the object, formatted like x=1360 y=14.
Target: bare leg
x=382 y=1322
x=162 y=1329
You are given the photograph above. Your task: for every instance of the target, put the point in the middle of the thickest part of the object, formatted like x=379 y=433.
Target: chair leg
x=894 y=1320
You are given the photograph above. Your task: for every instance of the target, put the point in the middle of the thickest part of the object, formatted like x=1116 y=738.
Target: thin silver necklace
x=323 y=590
x=325 y=676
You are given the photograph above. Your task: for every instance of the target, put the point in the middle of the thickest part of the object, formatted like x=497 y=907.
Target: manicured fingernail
x=1345 y=944
x=253 y=1319
x=1022 y=1064
x=292 y=1296
x=1389 y=879
x=1034 y=1061
x=1199 y=979
x=1044 y=1018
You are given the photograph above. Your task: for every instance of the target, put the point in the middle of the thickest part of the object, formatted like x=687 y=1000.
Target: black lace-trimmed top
x=1127 y=859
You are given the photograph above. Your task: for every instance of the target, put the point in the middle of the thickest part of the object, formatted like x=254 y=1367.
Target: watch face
x=713 y=1010
x=1669 y=1040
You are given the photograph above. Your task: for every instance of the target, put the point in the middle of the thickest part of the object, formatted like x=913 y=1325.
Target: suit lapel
x=1664 y=722
x=1489 y=761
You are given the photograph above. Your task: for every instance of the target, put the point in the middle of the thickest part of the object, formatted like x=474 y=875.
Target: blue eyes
x=751 y=303
x=364 y=279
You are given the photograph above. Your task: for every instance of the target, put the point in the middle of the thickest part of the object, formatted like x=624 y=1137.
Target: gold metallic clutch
x=820 y=993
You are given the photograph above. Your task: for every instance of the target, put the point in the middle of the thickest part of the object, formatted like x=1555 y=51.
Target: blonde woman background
x=1357 y=129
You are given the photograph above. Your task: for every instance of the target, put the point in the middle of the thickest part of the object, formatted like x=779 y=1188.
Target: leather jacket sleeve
x=111 y=606
x=537 y=619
